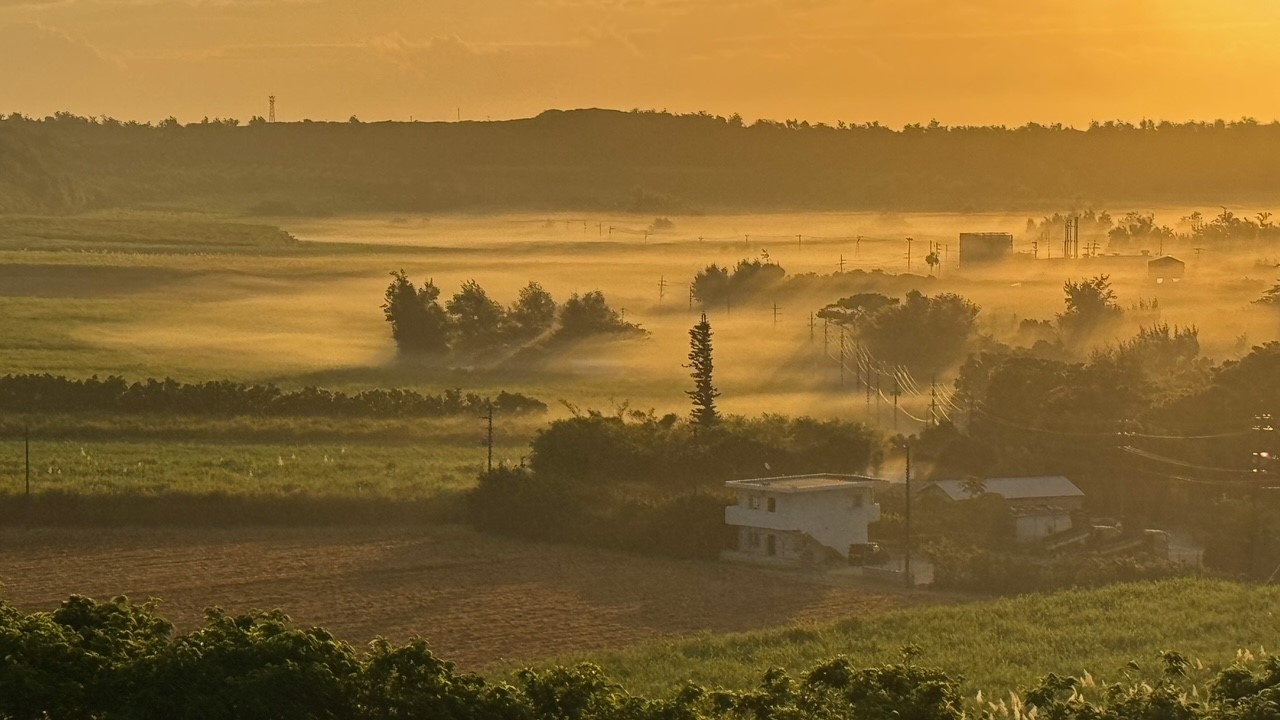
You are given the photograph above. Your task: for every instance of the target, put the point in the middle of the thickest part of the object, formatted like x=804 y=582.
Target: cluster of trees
x=472 y=324
x=651 y=484
x=753 y=279
x=716 y=286
x=1139 y=230
x=44 y=394
x=1154 y=433
x=921 y=333
x=115 y=660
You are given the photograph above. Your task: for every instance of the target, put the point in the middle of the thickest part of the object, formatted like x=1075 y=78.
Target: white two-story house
x=802 y=518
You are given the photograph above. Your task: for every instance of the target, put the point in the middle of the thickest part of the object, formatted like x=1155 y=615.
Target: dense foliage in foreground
x=118 y=659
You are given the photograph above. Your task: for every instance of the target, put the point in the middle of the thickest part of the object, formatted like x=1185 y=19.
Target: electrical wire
x=1146 y=455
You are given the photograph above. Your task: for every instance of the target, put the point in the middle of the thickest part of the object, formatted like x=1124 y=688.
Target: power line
x=1147 y=455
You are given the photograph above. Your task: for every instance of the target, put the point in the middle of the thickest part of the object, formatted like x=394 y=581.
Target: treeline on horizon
x=640 y=161
x=53 y=394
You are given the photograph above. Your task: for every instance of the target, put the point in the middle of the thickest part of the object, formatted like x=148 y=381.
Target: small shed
x=984 y=247
x=1166 y=268
x=1040 y=505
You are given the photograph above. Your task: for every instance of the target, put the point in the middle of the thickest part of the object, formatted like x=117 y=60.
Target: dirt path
x=478 y=600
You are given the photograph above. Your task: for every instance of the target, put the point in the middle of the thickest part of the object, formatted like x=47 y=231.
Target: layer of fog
x=767 y=359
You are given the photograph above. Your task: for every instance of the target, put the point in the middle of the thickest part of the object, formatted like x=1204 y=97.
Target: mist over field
x=316 y=315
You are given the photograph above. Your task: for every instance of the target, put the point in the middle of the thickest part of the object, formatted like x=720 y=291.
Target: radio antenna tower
x=271 y=108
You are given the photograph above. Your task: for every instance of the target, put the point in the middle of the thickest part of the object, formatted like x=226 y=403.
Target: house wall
x=833 y=519
x=1074 y=502
x=1035 y=526
x=788 y=546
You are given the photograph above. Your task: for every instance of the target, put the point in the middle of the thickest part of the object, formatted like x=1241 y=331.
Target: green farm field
x=996 y=646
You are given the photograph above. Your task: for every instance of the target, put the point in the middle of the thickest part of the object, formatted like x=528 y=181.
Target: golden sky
x=895 y=61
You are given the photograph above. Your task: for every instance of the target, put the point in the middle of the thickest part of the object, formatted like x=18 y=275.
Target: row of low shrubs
x=962 y=566
x=516 y=503
x=654 y=485
x=58 y=394
x=120 y=660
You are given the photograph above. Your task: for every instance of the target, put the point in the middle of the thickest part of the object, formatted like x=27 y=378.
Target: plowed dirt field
x=480 y=601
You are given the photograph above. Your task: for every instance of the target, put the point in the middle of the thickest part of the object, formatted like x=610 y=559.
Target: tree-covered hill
x=623 y=161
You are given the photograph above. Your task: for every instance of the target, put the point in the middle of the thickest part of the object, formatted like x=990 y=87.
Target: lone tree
x=703 y=394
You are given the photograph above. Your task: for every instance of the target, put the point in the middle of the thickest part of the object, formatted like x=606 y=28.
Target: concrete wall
x=834 y=519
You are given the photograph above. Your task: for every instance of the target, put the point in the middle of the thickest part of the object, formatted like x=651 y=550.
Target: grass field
x=995 y=645
x=135 y=468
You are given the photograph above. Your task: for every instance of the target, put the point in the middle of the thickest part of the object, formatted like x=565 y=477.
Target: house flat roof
x=807 y=483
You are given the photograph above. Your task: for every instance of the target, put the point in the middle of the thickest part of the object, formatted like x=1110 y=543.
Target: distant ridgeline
x=48 y=394
x=626 y=161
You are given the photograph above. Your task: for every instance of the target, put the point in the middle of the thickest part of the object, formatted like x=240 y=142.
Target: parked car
x=867 y=554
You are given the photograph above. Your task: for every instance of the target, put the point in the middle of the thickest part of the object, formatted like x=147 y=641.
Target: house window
x=773 y=504
x=753 y=539
x=753 y=502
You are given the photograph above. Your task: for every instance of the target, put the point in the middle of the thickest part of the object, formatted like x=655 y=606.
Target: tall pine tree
x=704 y=393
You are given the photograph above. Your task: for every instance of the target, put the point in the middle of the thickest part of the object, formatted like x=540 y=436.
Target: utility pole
x=662 y=287
x=909 y=241
x=877 y=393
x=798 y=238
x=933 y=402
x=746 y=240
x=842 y=356
x=906 y=562
x=775 y=314
x=489 y=434
x=26 y=447
x=866 y=377
x=826 y=344
x=811 y=327
x=857 y=246
x=271 y=108
x=842 y=263
x=1262 y=459
x=897 y=391
x=858 y=370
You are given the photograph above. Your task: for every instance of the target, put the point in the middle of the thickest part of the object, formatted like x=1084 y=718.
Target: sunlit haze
x=893 y=61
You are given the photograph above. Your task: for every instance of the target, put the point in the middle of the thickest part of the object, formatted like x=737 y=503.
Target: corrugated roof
x=1014 y=488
